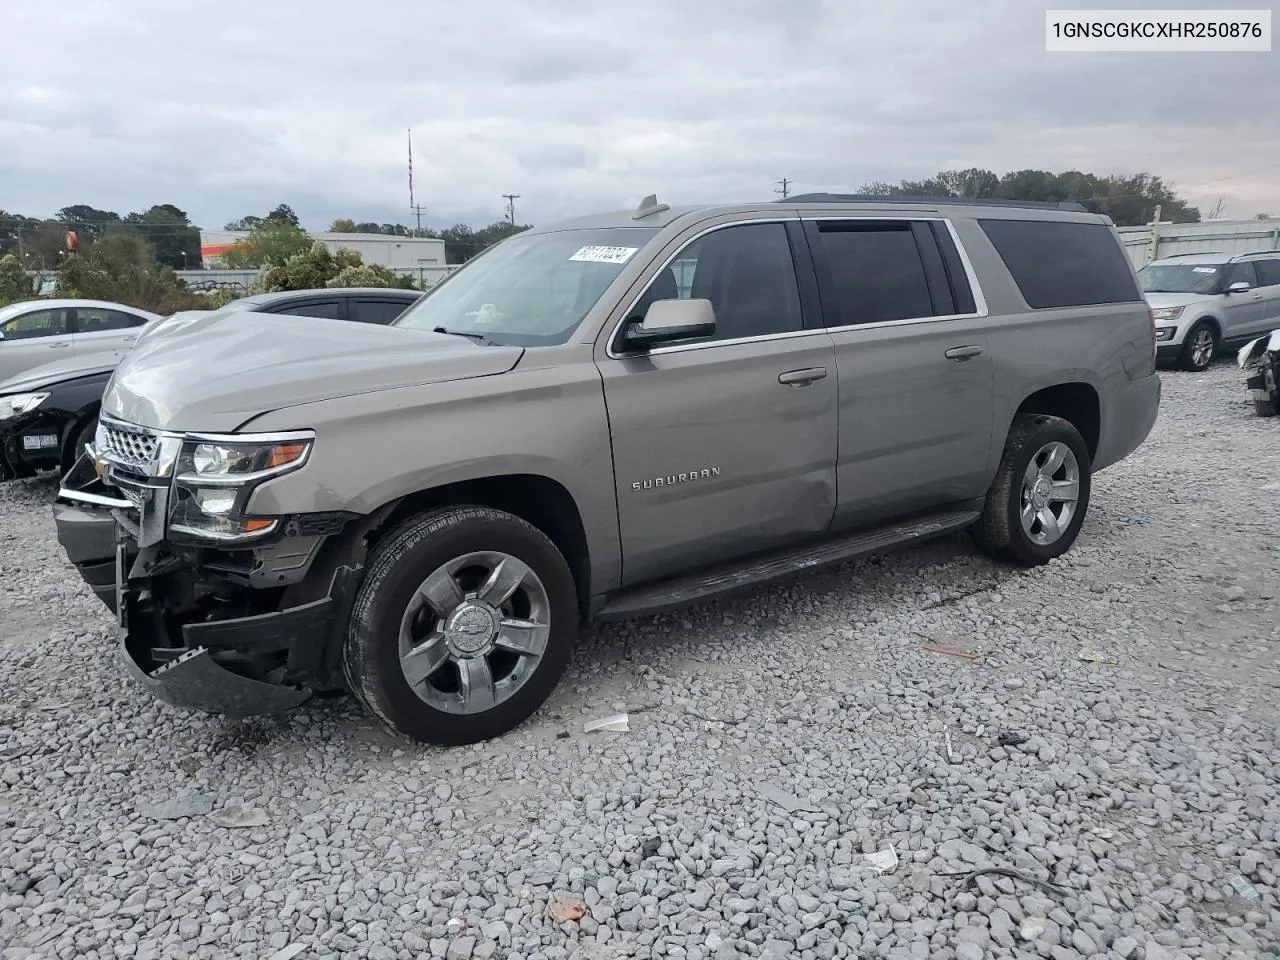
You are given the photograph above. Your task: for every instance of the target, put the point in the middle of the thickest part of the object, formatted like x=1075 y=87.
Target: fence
x=239 y=281
x=1211 y=236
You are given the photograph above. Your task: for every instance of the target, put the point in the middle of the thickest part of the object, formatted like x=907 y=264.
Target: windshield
x=1181 y=278
x=531 y=289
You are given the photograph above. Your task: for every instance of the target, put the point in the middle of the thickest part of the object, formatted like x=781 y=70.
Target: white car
x=1203 y=301
x=36 y=332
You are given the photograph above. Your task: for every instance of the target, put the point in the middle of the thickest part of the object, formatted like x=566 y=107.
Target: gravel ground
x=775 y=742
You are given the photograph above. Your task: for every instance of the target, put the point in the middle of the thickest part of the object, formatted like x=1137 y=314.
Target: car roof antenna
x=648 y=207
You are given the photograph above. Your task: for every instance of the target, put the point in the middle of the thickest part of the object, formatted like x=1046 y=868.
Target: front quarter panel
x=546 y=417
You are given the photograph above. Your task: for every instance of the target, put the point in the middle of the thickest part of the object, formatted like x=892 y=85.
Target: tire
x=444 y=636
x=1193 y=356
x=82 y=437
x=1000 y=531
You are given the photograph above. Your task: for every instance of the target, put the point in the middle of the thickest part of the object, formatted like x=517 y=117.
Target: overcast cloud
x=232 y=107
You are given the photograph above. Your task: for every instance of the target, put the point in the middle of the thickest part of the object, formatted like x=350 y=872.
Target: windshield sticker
x=604 y=254
x=1204 y=269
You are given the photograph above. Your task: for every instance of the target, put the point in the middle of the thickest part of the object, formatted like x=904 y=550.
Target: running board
x=705 y=585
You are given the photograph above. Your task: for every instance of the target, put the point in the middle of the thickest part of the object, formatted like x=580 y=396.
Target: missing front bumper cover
x=196 y=682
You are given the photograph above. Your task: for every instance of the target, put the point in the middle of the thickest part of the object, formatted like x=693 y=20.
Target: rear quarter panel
x=1105 y=346
x=545 y=417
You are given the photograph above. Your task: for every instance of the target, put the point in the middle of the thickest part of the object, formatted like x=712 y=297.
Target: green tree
x=269 y=245
x=318 y=267
x=89 y=223
x=15 y=285
x=174 y=241
x=343 y=225
x=461 y=242
x=1128 y=200
x=243 y=224
x=123 y=269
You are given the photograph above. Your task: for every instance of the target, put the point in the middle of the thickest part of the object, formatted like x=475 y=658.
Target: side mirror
x=1240 y=286
x=668 y=320
x=1 y=334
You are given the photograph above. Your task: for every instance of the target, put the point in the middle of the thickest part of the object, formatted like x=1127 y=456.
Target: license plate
x=39 y=442
x=121 y=574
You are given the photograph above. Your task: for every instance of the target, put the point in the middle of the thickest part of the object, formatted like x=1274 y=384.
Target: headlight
x=1167 y=313
x=17 y=403
x=215 y=476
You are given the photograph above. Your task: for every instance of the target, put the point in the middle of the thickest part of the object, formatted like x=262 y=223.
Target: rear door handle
x=59 y=346
x=962 y=353
x=804 y=377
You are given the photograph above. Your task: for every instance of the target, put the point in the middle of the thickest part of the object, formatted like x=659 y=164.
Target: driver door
x=725 y=447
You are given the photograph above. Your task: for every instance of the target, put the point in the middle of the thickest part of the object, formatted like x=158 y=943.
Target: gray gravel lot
x=775 y=740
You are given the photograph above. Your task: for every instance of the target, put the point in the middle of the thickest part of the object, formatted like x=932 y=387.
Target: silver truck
x=604 y=418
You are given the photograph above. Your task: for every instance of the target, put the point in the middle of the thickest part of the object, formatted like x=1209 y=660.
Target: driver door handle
x=59 y=346
x=803 y=377
x=962 y=353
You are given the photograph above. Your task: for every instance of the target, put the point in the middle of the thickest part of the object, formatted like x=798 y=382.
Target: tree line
x=1130 y=201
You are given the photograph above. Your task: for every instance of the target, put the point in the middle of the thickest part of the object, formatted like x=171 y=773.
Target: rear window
x=1063 y=264
x=1268 y=272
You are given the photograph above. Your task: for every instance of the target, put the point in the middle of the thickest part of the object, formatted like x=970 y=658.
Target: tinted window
x=1242 y=272
x=959 y=280
x=745 y=271
x=1063 y=264
x=376 y=311
x=328 y=309
x=876 y=271
x=1268 y=272
x=94 y=320
x=37 y=323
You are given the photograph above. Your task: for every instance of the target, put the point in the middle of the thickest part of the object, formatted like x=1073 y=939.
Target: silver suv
x=1204 y=301
x=599 y=419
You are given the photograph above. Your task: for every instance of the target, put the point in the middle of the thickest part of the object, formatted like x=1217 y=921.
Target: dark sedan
x=48 y=413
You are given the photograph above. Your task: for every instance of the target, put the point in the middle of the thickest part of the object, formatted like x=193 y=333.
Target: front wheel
x=1038 y=500
x=463 y=626
x=1200 y=347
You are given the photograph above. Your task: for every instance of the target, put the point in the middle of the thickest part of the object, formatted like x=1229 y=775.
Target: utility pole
x=417 y=209
x=783 y=184
x=511 y=199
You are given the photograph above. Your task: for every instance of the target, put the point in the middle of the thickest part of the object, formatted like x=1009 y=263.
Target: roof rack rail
x=932 y=201
x=1194 y=253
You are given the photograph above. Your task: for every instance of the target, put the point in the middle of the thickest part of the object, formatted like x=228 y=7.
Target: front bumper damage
x=241 y=633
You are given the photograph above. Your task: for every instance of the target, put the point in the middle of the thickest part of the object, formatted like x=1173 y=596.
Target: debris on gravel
x=1038 y=803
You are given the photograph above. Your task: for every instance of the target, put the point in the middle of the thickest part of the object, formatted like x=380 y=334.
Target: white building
x=402 y=254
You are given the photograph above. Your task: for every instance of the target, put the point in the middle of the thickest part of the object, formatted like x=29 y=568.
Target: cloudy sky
x=231 y=107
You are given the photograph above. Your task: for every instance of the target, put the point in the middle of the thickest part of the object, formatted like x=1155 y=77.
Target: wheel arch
x=67 y=454
x=535 y=498
x=1075 y=401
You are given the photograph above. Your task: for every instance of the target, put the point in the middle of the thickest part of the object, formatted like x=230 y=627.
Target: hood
x=47 y=374
x=1158 y=300
x=226 y=368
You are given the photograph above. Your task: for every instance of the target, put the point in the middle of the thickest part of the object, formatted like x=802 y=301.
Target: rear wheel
x=1038 y=500
x=1200 y=347
x=462 y=627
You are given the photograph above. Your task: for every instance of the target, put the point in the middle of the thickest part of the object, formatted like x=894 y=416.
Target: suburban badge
x=706 y=473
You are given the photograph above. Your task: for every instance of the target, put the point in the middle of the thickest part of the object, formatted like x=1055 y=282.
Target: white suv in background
x=1203 y=301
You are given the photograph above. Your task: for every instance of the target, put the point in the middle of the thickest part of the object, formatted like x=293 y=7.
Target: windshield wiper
x=479 y=337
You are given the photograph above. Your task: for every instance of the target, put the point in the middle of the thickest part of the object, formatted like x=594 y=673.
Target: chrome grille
x=134 y=447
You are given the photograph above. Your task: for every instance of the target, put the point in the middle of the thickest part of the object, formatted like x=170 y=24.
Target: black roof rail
x=933 y=201
x=1196 y=253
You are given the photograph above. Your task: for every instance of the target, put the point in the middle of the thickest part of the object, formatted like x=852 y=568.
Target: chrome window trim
x=980 y=311
x=783 y=218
